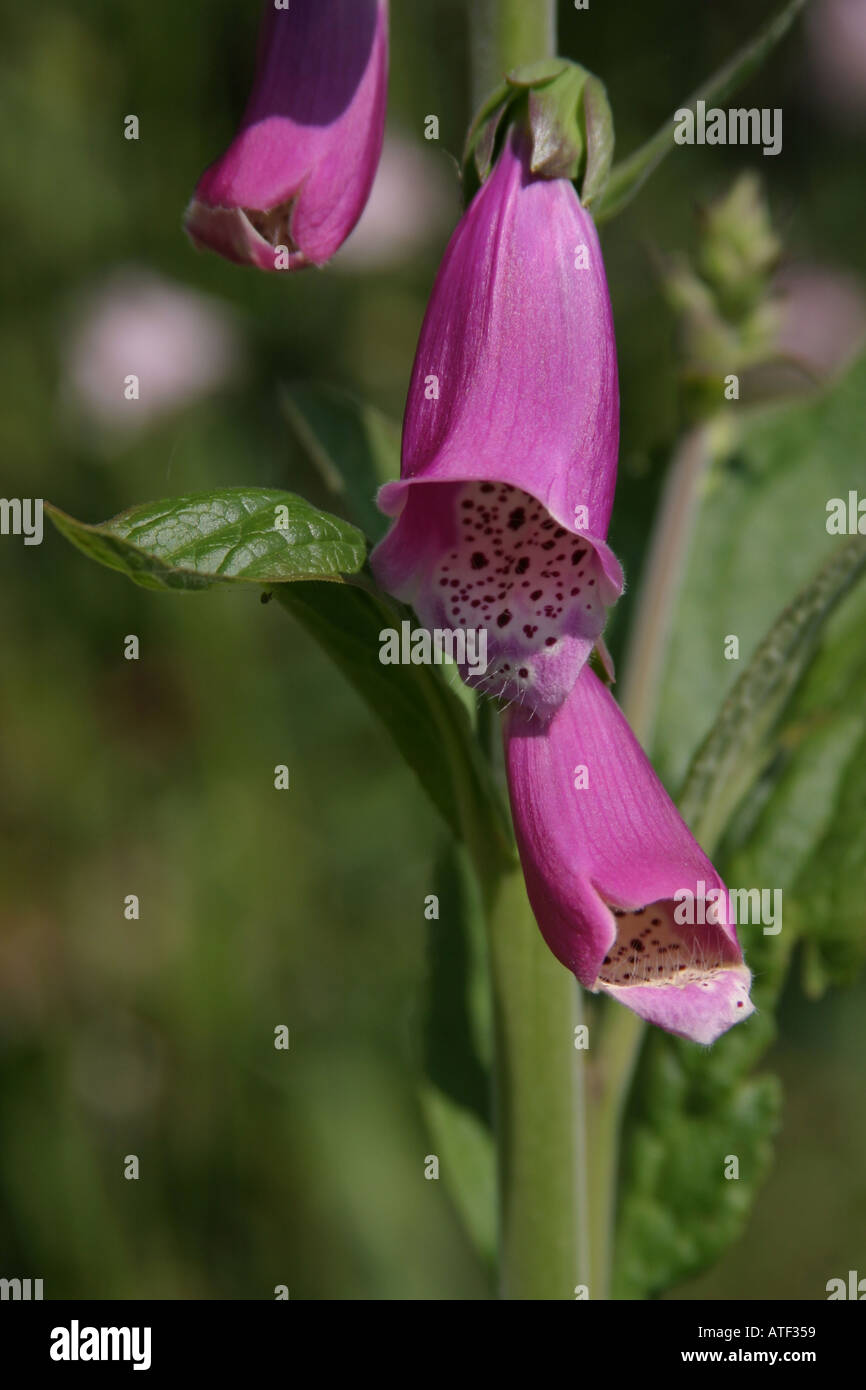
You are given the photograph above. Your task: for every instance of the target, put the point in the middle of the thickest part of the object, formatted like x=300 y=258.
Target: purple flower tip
x=611 y=869
x=294 y=181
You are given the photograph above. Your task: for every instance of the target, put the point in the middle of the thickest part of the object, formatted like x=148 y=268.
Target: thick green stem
x=538 y=1071
x=506 y=34
x=615 y=1055
x=538 y=1104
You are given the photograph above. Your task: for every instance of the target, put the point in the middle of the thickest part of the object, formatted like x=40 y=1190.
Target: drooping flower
x=613 y=873
x=298 y=173
x=510 y=439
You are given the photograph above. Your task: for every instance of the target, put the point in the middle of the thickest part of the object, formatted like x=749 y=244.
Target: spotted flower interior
x=651 y=948
x=537 y=589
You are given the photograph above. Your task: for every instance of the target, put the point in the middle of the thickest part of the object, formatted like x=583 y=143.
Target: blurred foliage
x=155 y=777
x=693 y=1115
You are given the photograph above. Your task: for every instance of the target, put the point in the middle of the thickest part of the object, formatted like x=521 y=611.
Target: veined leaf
x=786 y=757
x=252 y=535
x=467 y=1166
x=729 y=760
x=760 y=536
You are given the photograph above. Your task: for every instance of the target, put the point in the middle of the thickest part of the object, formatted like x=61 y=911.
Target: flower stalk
x=538 y=1104
x=538 y=1073
x=506 y=34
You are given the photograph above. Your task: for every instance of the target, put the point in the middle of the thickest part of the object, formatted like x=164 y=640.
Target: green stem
x=506 y=34
x=538 y=1071
x=537 y=1104
x=614 y=1061
x=649 y=630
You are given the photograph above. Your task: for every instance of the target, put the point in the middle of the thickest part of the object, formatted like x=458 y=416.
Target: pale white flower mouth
x=651 y=948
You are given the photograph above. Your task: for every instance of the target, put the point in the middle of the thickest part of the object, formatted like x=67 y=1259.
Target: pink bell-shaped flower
x=510 y=439
x=613 y=873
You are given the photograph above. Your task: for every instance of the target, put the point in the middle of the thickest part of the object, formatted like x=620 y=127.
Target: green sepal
x=566 y=115
x=555 y=110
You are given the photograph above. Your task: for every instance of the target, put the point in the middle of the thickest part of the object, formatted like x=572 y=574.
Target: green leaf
x=831 y=890
x=456 y=1097
x=825 y=733
x=759 y=537
x=629 y=176
x=427 y=720
x=467 y=1166
x=680 y=1211
x=251 y=535
x=731 y=757
x=459 y=1027
x=690 y=1107
x=354 y=447
x=786 y=757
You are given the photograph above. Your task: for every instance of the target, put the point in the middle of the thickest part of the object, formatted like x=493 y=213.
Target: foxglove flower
x=611 y=869
x=298 y=173
x=510 y=439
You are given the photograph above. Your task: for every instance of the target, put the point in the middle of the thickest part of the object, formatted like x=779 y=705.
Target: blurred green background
x=155 y=777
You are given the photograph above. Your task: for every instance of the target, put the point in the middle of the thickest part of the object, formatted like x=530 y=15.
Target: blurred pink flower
x=179 y=344
x=837 y=49
x=412 y=200
x=822 y=318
